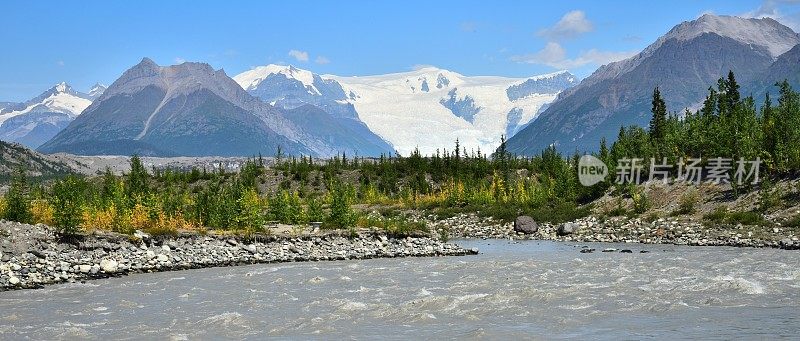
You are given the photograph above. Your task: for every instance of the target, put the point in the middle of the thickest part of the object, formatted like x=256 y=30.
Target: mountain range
x=425 y=109
x=37 y=120
x=683 y=63
x=192 y=109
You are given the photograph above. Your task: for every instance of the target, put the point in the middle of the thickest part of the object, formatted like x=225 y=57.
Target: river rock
x=141 y=235
x=13 y=280
x=109 y=265
x=525 y=224
x=566 y=228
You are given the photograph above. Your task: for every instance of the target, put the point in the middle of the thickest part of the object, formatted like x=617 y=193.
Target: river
x=512 y=290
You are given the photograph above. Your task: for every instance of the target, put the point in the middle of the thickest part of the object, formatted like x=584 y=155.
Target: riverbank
x=32 y=256
x=620 y=230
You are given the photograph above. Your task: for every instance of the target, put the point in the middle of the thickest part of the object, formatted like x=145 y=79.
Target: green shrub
x=793 y=221
x=769 y=196
x=688 y=201
x=618 y=210
x=640 y=201
x=67 y=204
x=17 y=199
x=314 y=210
x=559 y=212
x=746 y=218
x=718 y=215
x=341 y=215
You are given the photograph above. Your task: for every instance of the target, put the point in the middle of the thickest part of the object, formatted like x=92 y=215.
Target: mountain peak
x=251 y=78
x=147 y=62
x=61 y=87
x=97 y=90
x=181 y=79
x=765 y=32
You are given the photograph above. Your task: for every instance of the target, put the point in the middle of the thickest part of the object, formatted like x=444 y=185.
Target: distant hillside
x=13 y=155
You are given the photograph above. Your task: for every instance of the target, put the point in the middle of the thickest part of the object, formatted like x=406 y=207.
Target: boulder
x=567 y=228
x=141 y=235
x=109 y=265
x=84 y=268
x=525 y=224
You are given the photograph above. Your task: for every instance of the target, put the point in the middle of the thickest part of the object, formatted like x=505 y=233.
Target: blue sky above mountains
x=92 y=41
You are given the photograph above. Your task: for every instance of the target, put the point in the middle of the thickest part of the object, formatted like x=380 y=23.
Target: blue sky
x=84 y=42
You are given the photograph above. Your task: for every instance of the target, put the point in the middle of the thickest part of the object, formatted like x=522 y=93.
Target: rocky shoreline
x=31 y=256
x=618 y=230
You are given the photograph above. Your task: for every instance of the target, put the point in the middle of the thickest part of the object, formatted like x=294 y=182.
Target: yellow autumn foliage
x=42 y=212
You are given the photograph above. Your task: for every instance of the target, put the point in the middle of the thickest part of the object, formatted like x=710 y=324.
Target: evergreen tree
x=136 y=182
x=658 y=122
x=18 y=198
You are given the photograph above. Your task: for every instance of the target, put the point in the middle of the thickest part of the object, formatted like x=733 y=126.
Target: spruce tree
x=659 y=121
x=136 y=182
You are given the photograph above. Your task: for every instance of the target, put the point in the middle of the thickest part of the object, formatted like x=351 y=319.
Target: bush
x=252 y=211
x=688 y=201
x=314 y=209
x=398 y=226
x=41 y=212
x=67 y=204
x=341 y=215
x=769 y=196
x=747 y=218
x=793 y=221
x=640 y=201
x=718 y=215
x=17 y=201
x=618 y=210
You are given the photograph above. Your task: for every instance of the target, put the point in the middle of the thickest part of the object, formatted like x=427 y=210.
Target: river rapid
x=519 y=290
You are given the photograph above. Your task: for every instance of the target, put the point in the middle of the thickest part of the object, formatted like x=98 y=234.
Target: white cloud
x=321 y=60
x=301 y=56
x=179 y=60
x=572 y=24
x=554 y=55
x=770 y=9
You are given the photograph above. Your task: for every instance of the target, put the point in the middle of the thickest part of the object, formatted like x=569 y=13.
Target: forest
x=344 y=192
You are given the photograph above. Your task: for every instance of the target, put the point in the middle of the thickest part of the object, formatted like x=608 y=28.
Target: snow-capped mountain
x=39 y=119
x=428 y=108
x=96 y=91
x=683 y=64
x=191 y=109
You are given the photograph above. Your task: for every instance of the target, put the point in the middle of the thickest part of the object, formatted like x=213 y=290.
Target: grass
x=793 y=221
x=721 y=215
x=718 y=215
x=398 y=225
x=747 y=218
